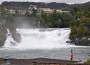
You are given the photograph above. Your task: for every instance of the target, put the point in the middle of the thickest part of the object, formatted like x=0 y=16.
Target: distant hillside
x=52 y=5
x=39 y=4
x=81 y=5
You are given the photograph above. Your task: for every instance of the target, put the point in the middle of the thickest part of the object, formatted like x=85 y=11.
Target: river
x=43 y=43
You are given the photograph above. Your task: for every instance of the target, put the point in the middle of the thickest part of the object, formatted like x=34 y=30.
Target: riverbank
x=39 y=61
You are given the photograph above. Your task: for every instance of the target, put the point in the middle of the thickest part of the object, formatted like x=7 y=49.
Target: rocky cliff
x=3 y=36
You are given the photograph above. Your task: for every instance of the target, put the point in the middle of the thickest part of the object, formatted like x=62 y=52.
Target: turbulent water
x=46 y=43
x=40 y=39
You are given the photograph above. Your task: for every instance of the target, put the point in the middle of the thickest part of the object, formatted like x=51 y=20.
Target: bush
x=88 y=61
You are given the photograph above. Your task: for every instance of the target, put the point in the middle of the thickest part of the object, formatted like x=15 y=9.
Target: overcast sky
x=65 y=1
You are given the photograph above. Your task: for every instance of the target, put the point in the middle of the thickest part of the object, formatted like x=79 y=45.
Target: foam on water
x=40 y=39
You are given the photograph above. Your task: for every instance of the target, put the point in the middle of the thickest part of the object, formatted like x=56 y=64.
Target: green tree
x=2 y=10
x=88 y=61
x=16 y=12
x=34 y=12
x=74 y=31
x=82 y=31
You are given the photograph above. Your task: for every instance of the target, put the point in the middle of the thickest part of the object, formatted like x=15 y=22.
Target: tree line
x=52 y=5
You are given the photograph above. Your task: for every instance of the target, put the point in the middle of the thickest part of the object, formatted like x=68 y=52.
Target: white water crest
x=47 y=38
x=9 y=41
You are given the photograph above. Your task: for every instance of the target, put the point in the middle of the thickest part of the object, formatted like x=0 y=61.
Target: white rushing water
x=40 y=39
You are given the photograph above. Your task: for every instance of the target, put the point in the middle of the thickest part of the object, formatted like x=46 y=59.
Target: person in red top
x=71 y=55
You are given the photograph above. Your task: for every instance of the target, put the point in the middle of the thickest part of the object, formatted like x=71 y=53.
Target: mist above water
x=25 y=22
x=40 y=39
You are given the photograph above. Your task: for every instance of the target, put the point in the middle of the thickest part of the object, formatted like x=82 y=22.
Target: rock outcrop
x=84 y=41
x=3 y=33
x=16 y=36
x=6 y=22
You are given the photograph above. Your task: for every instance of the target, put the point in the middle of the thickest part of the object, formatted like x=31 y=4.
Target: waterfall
x=45 y=38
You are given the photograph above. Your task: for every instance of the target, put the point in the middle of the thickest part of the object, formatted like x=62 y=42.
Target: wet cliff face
x=3 y=33
x=7 y=22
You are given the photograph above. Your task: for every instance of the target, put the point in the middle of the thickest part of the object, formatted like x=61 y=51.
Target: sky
x=60 y=1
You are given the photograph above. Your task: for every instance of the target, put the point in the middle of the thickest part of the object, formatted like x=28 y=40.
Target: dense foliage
x=80 y=27
x=56 y=20
x=88 y=61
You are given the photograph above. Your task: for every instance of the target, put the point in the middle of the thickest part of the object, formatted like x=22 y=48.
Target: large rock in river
x=16 y=36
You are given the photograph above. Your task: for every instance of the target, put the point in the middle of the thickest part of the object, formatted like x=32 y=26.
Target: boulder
x=81 y=42
x=16 y=36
